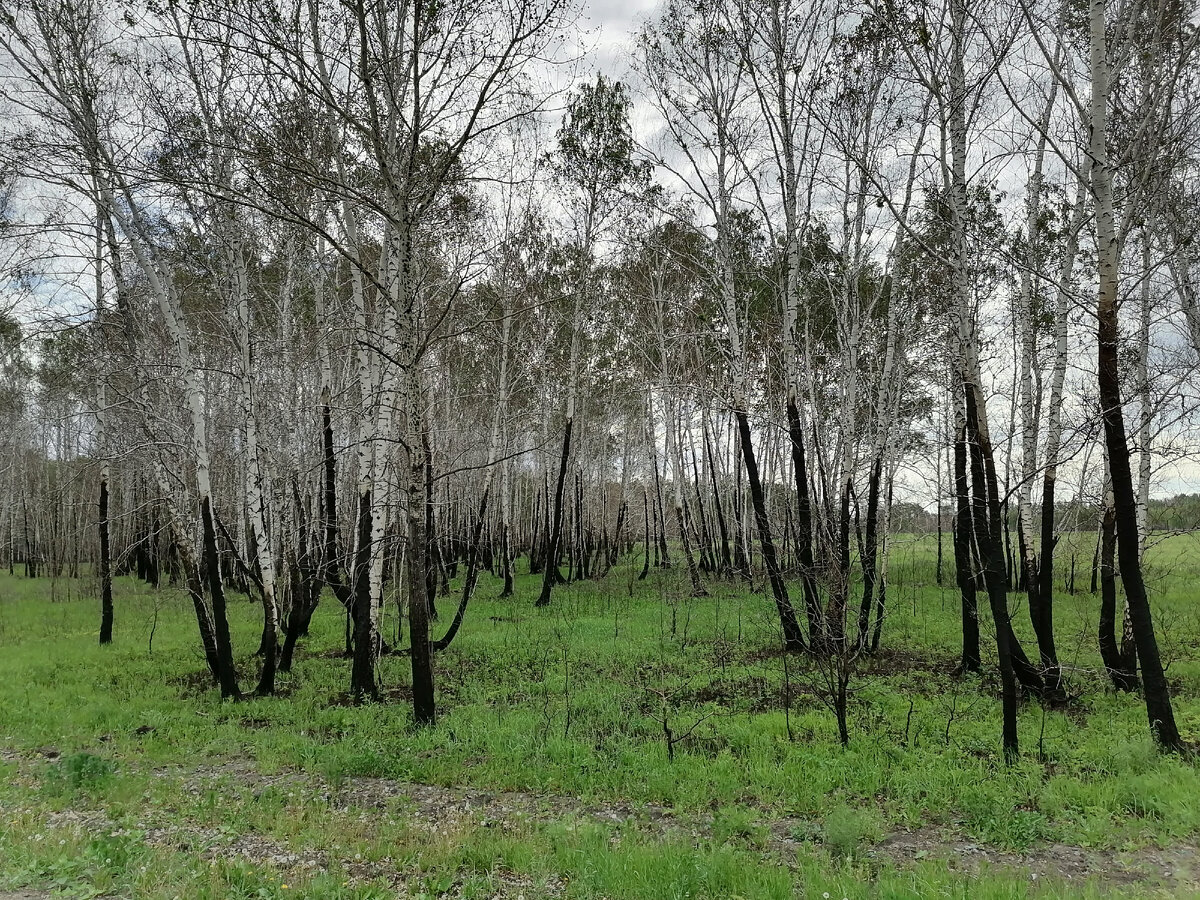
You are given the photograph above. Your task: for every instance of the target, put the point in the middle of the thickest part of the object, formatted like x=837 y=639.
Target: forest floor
x=447 y=812
x=123 y=775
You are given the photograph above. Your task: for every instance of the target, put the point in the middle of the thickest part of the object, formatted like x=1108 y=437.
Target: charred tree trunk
x=204 y=621
x=615 y=548
x=1123 y=679
x=106 y=598
x=870 y=554
x=804 y=529
x=1108 y=256
x=506 y=560
x=226 y=674
x=362 y=667
x=839 y=595
x=991 y=552
x=472 y=575
x=1154 y=683
x=792 y=637
x=306 y=584
x=552 y=575
x=646 y=553
x=434 y=567
x=420 y=656
x=962 y=530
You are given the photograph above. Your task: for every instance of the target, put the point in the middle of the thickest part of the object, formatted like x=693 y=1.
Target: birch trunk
x=104 y=563
x=236 y=259
x=985 y=512
x=1062 y=300
x=1108 y=256
x=675 y=453
x=1041 y=607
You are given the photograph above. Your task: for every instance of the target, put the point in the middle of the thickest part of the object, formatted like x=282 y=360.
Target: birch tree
x=1160 y=33
x=595 y=160
x=419 y=89
x=785 y=44
x=699 y=85
x=58 y=48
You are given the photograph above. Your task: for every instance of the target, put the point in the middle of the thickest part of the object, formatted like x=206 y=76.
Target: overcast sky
x=613 y=23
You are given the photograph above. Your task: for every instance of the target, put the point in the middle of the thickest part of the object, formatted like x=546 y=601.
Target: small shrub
x=79 y=773
x=845 y=830
x=737 y=824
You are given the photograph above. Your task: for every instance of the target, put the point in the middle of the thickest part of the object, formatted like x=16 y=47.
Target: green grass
x=571 y=701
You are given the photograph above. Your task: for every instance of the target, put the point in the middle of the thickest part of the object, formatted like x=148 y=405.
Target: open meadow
x=628 y=741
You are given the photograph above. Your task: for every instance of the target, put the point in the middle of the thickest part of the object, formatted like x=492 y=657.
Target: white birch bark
x=1026 y=321
x=1142 y=387
x=255 y=503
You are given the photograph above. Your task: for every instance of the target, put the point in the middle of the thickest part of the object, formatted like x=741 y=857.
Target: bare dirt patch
x=451 y=808
x=1175 y=867
x=454 y=809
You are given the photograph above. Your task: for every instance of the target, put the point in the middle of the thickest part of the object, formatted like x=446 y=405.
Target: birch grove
x=381 y=296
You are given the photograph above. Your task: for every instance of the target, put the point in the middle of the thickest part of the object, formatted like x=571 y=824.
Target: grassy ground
x=549 y=766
